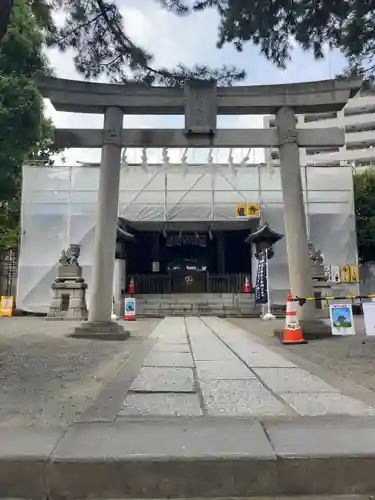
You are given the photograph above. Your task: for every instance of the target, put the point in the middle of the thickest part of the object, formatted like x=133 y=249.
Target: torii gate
x=200 y=102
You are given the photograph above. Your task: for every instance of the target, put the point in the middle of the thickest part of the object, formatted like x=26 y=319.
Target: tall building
x=358 y=120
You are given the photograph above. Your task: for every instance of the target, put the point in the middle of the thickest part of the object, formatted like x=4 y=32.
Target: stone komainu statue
x=71 y=255
x=69 y=288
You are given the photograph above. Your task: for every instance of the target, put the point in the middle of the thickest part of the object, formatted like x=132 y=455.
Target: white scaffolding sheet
x=59 y=208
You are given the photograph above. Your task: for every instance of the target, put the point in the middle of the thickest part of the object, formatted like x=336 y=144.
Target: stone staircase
x=197 y=304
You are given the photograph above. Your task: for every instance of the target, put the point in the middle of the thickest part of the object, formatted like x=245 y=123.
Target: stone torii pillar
x=295 y=221
x=101 y=287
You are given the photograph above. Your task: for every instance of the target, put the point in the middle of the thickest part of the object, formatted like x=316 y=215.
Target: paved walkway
x=207 y=366
x=308 y=438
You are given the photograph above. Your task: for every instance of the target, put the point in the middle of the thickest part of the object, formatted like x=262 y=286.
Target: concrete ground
x=47 y=378
x=186 y=408
x=185 y=367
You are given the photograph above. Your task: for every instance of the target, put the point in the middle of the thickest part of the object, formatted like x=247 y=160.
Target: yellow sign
x=248 y=210
x=6 y=306
x=349 y=273
x=253 y=210
x=344 y=273
x=241 y=210
x=354 y=274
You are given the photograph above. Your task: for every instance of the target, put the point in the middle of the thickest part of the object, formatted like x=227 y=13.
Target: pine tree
x=96 y=32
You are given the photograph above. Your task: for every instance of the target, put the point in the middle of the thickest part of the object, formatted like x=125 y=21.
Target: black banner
x=261 y=280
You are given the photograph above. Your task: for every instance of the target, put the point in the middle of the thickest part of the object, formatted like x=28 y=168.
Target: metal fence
x=165 y=283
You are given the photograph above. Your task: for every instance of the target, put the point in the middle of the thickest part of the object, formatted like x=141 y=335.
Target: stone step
x=234 y=313
x=223 y=305
x=190 y=458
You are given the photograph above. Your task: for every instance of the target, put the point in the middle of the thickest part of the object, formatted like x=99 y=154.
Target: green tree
x=24 y=131
x=364 y=193
x=96 y=31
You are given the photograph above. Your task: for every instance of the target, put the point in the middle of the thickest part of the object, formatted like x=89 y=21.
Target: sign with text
x=6 y=306
x=129 y=308
x=344 y=273
x=248 y=210
x=341 y=316
x=349 y=273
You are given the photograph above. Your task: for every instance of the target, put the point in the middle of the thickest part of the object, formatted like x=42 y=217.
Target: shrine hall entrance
x=189 y=261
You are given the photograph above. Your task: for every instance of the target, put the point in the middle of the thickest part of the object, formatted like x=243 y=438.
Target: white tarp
x=59 y=208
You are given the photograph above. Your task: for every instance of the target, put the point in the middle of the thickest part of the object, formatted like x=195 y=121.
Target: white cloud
x=172 y=39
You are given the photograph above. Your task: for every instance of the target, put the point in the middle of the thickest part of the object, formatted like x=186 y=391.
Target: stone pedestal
x=100 y=330
x=68 y=294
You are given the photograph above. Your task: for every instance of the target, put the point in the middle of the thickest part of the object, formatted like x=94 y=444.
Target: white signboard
x=369 y=317
x=129 y=307
x=341 y=319
x=335 y=274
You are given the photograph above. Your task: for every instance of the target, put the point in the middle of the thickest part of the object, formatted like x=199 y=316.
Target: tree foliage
x=364 y=192
x=96 y=31
x=25 y=133
x=274 y=26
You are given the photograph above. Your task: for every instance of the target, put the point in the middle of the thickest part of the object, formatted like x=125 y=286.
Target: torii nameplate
x=200 y=107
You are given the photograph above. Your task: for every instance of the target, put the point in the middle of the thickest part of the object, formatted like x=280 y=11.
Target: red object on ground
x=246 y=286
x=131 y=286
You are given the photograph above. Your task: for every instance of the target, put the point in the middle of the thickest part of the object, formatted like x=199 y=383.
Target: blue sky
x=188 y=40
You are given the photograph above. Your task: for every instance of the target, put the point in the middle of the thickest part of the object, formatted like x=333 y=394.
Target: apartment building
x=358 y=120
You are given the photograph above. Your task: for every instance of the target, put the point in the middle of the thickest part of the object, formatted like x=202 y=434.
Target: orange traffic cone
x=246 y=286
x=292 y=329
x=131 y=287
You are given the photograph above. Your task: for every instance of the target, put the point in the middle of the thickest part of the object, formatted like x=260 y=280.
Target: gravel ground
x=48 y=378
x=348 y=357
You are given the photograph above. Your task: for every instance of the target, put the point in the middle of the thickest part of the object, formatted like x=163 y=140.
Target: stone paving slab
x=207 y=352
x=176 y=359
x=282 y=380
x=262 y=359
x=171 y=328
x=326 y=404
x=161 y=405
x=171 y=347
x=154 y=379
x=240 y=398
x=223 y=370
x=231 y=373
x=246 y=345
x=302 y=392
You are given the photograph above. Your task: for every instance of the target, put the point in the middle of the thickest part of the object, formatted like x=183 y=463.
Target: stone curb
x=198 y=457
